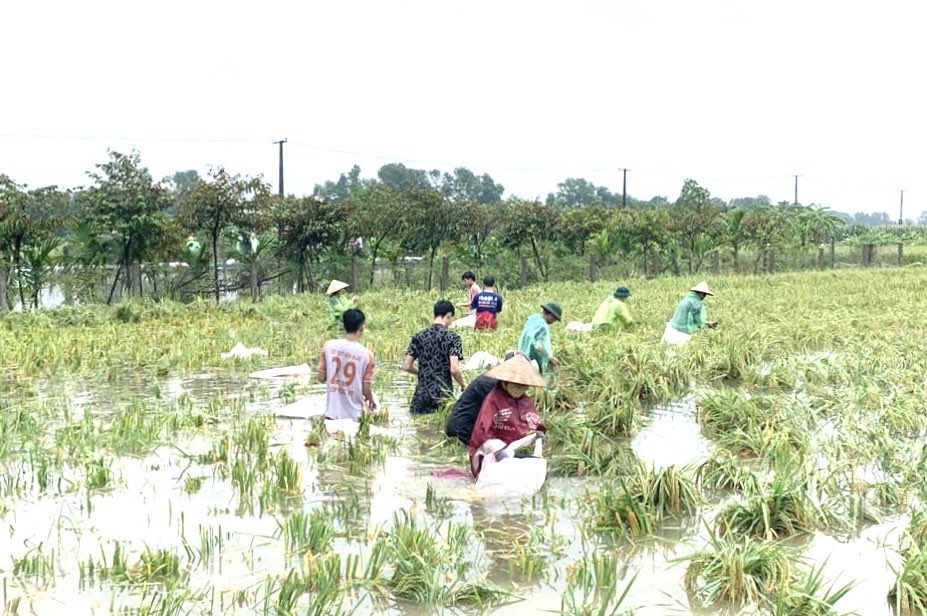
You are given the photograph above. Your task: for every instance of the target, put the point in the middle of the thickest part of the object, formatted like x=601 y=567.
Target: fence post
x=592 y=271
x=900 y=254
x=715 y=263
x=445 y=273
x=523 y=264
x=821 y=257
x=833 y=253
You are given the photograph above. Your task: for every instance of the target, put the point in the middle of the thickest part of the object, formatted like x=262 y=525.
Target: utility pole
x=280 y=182
x=796 y=190
x=901 y=209
x=624 y=188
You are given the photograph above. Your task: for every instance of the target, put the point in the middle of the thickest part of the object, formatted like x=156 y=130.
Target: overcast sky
x=738 y=95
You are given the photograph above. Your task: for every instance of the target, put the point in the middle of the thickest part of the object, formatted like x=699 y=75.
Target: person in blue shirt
x=689 y=317
x=534 y=341
x=487 y=304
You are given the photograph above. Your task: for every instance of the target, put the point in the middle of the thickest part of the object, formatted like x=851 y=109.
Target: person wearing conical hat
x=689 y=317
x=338 y=300
x=613 y=311
x=507 y=414
x=534 y=341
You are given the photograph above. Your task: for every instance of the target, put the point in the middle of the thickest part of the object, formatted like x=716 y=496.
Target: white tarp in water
x=302 y=370
x=576 y=326
x=240 y=351
x=481 y=360
x=468 y=321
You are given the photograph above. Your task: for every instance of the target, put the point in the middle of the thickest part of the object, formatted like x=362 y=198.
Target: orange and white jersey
x=347 y=366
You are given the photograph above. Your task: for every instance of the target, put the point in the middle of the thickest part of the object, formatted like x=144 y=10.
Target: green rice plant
x=288 y=475
x=667 y=491
x=808 y=595
x=436 y=506
x=780 y=509
x=737 y=570
x=192 y=485
x=157 y=567
x=593 y=589
x=308 y=532
x=908 y=595
x=725 y=471
x=432 y=568
x=633 y=507
x=35 y=565
x=527 y=552
x=617 y=510
x=97 y=474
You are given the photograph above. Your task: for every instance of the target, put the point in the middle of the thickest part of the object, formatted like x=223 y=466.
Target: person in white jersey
x=346 y=367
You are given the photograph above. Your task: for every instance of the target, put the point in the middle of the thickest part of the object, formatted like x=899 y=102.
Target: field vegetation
x=140 y=473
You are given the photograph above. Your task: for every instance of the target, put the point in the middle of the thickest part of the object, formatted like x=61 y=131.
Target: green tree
x=376 y=215
x=306 y=227
x=27 y=219
x=226 y=200
x=529 y=223
x=429 y=221
x=127 y=204
x=463 y=186
x=697 y=222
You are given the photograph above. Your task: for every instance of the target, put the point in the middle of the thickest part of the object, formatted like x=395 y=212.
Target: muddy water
x=149 y=508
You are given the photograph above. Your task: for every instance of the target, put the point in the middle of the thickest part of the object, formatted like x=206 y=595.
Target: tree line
x=127 y=234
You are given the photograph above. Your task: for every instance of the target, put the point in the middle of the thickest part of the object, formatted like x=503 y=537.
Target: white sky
x=739 y=95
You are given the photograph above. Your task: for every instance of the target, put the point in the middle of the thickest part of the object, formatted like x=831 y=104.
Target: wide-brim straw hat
x=702 y=287
x=553 y=309
x=517 y=370
x=335 y=286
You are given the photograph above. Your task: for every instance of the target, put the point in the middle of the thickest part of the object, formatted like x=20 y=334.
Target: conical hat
x=702 y=287
x=335 y=286
x=517 y=370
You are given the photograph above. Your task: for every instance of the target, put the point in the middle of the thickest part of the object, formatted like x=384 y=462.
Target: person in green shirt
x=690 y=316
x=534 y=341
x=338 y=300
x=613 y=311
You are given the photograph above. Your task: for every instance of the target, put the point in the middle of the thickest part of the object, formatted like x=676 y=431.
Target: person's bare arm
x=408 y=365
x=320 y=369
x=456 y=374
x=368 y=396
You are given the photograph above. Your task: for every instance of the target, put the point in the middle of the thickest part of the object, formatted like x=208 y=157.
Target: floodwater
x=148 y=507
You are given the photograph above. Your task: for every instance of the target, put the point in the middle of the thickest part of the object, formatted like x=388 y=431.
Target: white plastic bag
x=240 y=351
x=674 y=336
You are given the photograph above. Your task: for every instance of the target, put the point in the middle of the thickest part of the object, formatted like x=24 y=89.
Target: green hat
x=553 y=309
x=622 y=292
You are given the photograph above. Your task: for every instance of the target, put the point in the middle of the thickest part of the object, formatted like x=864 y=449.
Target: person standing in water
x=487 y=303
x=534 y=341
x=613 y=312
x=506 y=414
x=434 y=356
x=338 y=300
x=689 y=317
x=469 y=281
x=346 y=367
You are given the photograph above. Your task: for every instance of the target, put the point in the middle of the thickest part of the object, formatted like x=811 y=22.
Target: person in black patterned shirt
x=439 y=354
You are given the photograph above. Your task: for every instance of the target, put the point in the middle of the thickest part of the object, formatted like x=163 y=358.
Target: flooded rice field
x=187 y=495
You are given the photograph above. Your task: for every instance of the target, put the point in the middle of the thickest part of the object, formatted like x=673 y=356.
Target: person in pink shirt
x=346 y=367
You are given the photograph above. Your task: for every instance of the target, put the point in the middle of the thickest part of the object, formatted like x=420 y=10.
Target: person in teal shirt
x=690 y=316
x=613 y=311
x=534 y=341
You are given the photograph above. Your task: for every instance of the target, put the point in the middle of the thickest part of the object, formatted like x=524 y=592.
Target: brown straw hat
x=335 y=286
x=517 y=370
